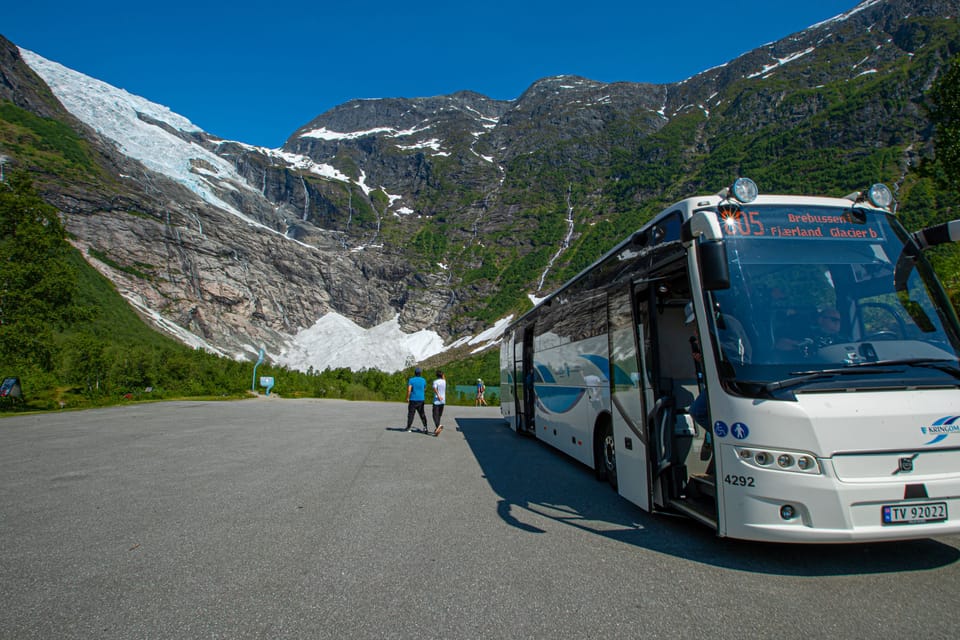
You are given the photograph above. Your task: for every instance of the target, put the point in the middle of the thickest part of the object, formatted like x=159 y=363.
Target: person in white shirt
x=439 y=401
x=481 y=390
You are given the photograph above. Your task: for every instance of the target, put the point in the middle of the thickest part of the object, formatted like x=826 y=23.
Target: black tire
x=599 y=470
x=606 y=455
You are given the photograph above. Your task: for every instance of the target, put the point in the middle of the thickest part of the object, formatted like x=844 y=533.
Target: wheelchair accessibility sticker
x=738 y=430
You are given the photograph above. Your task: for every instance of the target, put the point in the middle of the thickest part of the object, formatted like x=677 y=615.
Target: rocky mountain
x=441 y=215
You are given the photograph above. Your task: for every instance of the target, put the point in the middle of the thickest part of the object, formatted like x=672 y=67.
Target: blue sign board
x=266 y=381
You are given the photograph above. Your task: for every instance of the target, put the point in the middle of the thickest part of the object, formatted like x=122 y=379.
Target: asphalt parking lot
x=275 y=518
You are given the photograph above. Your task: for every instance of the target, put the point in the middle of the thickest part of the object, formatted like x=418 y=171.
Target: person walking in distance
x=416 y=396
x=481 y=389
x=439 y=401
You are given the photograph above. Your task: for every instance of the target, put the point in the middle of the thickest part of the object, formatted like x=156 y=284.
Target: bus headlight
x=762 y=458
x=794 y=461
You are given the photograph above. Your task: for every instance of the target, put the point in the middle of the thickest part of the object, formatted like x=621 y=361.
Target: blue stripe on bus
x=544 y=374
x=558 y=399
x=620 y=377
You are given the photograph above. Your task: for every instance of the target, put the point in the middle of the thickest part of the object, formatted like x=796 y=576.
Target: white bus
x=828 y=366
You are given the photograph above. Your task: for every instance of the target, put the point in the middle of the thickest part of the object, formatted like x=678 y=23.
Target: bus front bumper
x=826 y=510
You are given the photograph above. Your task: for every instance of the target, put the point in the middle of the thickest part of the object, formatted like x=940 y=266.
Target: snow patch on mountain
x=119 y=116
x=486 y=338
x=326 y=134
x=779 y=62
x=128 y=121
x=335 y=340
x=847 y=14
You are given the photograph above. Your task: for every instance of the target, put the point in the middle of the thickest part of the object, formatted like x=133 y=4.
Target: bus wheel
x=607 y=462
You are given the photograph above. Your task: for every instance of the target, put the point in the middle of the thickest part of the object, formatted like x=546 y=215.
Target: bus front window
x=812 y=289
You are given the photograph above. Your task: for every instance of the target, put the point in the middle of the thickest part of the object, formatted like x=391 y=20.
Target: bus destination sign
x=812 y=224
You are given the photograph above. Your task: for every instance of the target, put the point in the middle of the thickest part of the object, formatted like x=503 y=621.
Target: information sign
x=267 y=382
x=799 y=223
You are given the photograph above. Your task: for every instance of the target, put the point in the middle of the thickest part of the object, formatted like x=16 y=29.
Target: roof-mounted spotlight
x=743 y=190
x=879 y=195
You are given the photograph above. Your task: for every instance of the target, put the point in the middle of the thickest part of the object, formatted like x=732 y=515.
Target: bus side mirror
x=922 y=240
x=703 y=228
x=714 y=269
x=919 y=242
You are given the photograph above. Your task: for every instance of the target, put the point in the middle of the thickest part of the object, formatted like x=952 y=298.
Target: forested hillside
x=74 y=341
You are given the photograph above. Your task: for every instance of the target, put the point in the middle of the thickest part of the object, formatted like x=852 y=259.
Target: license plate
x=914 y=513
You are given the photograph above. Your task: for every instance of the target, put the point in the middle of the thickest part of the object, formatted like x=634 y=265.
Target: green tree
x=132 y=369
x=945 y=114
x=37 y=283
x=85 y=364
x=944 y=109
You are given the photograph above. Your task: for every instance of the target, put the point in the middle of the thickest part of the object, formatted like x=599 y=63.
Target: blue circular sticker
x=739 y=430
x=720 y=429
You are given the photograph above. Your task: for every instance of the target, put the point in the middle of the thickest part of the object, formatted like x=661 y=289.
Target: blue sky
x=257 y=71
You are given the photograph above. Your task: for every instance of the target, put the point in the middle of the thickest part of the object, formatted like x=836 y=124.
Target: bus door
x=523 y=381
x=628 y=393
x=669 y=370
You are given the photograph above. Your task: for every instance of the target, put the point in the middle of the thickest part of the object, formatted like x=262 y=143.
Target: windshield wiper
x=878 y=367
x=799 y=377
x=947 y=366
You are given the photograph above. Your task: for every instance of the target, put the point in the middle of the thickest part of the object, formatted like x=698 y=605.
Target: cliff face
x=446 y=211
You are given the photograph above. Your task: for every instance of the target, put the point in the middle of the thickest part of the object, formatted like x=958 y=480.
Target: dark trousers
x=437 y=414
x=416 y=406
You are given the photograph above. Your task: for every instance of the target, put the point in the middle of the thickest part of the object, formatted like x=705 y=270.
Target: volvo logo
x=905 y=465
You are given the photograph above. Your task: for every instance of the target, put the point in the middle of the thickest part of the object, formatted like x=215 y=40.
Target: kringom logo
x=941 y=428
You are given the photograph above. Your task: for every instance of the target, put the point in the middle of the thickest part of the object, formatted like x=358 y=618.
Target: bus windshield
x=813 y=304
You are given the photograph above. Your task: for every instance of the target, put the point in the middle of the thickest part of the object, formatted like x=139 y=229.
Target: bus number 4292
x=739 y=481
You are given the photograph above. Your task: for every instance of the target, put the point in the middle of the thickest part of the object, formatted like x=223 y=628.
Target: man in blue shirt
x=416 y=396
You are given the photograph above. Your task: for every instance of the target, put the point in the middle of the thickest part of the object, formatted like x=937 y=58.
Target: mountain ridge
x=445 y=212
